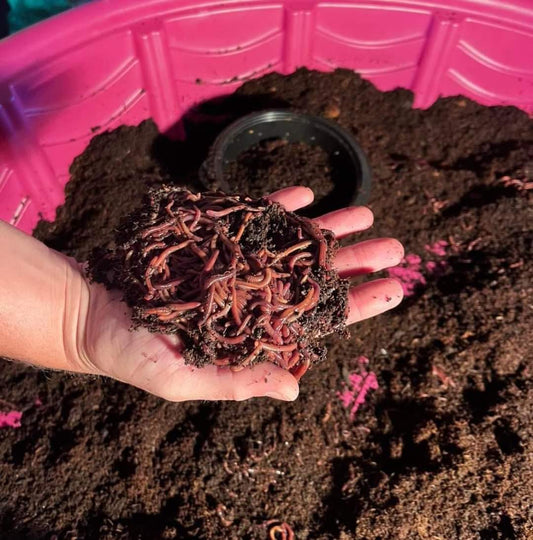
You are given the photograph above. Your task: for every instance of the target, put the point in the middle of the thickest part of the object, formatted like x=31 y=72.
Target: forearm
x=43 y=303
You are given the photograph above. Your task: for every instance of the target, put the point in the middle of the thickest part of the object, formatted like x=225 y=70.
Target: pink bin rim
x=32 y=186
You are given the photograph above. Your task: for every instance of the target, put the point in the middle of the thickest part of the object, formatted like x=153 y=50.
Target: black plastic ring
x=346 y=156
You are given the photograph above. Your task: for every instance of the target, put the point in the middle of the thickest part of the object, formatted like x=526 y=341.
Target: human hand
x=53 y=317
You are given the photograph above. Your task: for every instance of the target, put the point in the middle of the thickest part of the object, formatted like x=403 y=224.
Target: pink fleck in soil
x=359 y=384
x=409 y=272
x=438 y=248
x=10 y=419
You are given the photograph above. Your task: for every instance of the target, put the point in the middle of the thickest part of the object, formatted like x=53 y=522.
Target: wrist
x=44 y=303
x=75 y=309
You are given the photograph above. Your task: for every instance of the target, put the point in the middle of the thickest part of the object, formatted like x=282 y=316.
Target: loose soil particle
x=444 y=449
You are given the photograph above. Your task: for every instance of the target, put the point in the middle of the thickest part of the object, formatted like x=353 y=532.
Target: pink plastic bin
x=116 y=62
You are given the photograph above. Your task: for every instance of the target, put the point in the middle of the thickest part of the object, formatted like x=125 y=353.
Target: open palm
x=153 y=361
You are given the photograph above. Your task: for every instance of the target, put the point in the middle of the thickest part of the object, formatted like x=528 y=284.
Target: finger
x=368 y=256
x=372 y=298
x=221 y=383
x=346 y=220
x=293 y=198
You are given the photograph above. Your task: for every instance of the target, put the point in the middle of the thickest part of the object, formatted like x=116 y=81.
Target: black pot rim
x=228 y=139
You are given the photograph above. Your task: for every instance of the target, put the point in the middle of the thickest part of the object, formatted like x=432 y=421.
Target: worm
x=169 y=251
x=292 y=249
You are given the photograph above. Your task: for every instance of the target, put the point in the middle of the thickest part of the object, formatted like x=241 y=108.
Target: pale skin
x=52 y=317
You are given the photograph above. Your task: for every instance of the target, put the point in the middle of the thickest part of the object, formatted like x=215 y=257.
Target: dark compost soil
x=444 y=448
x=275 y=164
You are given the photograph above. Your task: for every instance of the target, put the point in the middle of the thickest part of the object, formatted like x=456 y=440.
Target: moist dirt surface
x=274 y=165
x=442 y=450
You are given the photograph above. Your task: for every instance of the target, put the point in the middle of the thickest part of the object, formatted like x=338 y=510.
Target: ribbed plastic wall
x=121 y=61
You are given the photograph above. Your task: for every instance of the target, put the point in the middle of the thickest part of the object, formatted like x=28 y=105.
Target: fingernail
x=289 y=394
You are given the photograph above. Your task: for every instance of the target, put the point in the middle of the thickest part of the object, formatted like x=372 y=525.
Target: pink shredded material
x=360 y=384
x=10 y=419
x=438 y=248
x=436 y=268
x=431 y=266
x=409 y=272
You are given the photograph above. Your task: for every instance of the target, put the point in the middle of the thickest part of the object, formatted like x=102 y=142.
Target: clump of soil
x=444 y=448
x=278 y=163
x=239 y=280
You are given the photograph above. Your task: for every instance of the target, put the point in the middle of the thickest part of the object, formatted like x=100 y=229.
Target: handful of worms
x=240 y=280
